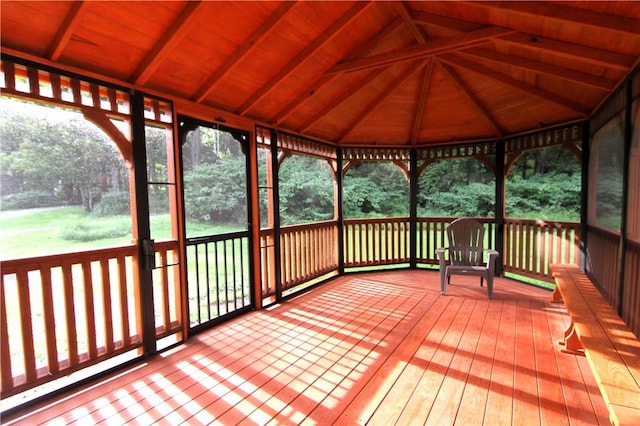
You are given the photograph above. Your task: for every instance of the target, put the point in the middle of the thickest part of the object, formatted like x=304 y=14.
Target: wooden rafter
x=542 y=68
x=243 y=50
x=458 y=61
x=65 y=30
x=401 y=8
x=572 y=51
x=597 y=20
x=389 y=90
x=472 y=99
x=165 y=45
x=430 y=48
x=341 y=97
x=308 y=52
x=422 y=100
x=454 y=26
x=325 y=79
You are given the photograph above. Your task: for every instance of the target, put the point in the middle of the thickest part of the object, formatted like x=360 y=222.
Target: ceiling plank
x=581 y=17
x=457 y=61
x=325 y=79
x=454 y=26
x=422 y=100
x=430 y=48
x=323 y=38
x=543 y=68
x=67 y=26
x=401 y=8
x=473 y=99
x=178 y=29
x=574 y=52
x=242 y=51
x=372 y=106
x=341 y=97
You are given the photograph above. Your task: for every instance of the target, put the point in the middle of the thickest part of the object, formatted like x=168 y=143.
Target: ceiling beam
x=457 y=61
x=574 y=52
x=341 y=97
x=324 y=79
x=372 y=106
x=566 y=74
x=422 y=100
x=242 y=51
x=430 y=48
x=473 y=99
x=451 y=25
x=167 y=42
x=65 y=31
x=573 y=15
x=402 y=10
x=308 y=52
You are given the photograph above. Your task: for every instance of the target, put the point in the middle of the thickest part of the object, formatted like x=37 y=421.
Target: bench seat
x=611 y=348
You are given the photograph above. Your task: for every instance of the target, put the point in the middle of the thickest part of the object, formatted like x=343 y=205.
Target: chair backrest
x=466 y=239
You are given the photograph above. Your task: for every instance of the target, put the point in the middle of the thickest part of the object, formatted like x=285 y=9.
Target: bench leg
x=556 y=297
x=571 y=342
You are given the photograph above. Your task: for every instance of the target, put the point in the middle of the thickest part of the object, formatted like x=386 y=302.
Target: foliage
x=88 y=231
x=456 y=187
x=375 y=189
x=306 y=190
x=214 y=192
x=57 y=152
x=113 y=203
x=29 y=200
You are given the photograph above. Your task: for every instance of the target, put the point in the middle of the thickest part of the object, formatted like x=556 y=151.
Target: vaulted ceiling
x=354 y=73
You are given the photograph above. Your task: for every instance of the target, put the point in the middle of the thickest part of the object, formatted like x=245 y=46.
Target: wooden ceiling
x=353 y=73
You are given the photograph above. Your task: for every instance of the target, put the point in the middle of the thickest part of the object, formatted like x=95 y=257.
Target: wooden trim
x=243 y=50
x=421 y=101
x=167 y=42
x=530 y=89
x=422 y=51
x=66 y=29
x=337 y=26
x=373 y=105
x=472 y=99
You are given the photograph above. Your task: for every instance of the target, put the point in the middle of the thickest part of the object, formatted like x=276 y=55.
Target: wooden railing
x=64 y=312
x=531 y=245
x=631 y=291
x=379 y=241
x=307 y=252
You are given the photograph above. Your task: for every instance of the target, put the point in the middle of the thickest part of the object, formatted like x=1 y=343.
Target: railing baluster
x=5 y=353
x=24 y=300
x=106 y=305
x=49 y=319
x=89 y=309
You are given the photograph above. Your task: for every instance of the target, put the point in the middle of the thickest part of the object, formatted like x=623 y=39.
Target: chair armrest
x=491 y=261
x=441 y=258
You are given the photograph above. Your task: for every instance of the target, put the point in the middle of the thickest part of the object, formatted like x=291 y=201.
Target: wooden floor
x=378 y=348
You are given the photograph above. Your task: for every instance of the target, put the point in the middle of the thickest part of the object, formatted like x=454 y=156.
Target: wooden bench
x=612 y=350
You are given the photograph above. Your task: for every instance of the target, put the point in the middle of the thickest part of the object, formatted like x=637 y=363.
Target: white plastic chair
x=465 y=254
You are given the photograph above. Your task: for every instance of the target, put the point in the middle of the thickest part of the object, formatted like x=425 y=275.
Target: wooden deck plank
x=526 y=404
x=474 y=398
x=499 y=408
x=376 y=348
x=447 y=402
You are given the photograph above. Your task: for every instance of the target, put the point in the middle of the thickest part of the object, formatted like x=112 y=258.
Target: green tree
x=375 y=189
x=58 y=153
x=306 y=190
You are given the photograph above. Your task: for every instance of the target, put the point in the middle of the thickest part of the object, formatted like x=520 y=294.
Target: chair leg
x=443 y=281
x=481 y=281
